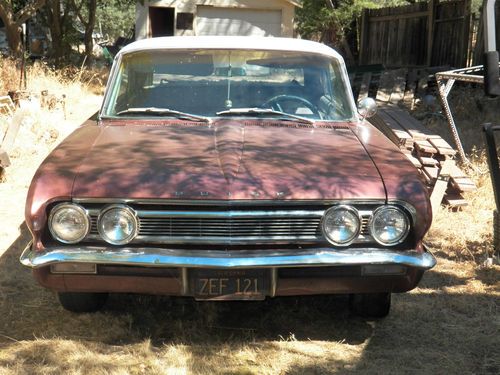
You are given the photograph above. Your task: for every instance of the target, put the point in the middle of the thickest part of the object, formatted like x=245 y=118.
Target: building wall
x=189 y=6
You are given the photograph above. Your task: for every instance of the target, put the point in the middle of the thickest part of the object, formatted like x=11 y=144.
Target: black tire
x=370 y=305
x=82 y=302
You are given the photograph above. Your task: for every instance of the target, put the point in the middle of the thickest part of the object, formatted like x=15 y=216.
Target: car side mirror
x=367 y=108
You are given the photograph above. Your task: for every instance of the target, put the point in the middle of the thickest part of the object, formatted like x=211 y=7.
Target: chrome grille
x=234 y=227
x=230 y=227
x=365 y=222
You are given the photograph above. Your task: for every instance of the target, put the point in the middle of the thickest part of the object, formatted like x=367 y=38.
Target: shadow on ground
x=428 y=331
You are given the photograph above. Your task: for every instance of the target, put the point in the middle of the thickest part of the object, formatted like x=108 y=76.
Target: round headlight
x=341 y=225
x=389 y=225
x=117 y=225
x=69 y=223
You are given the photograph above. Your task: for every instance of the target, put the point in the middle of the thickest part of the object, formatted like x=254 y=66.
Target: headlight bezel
x=133 y=216
x=355 y=234
x=402 y=238
x=66 y=205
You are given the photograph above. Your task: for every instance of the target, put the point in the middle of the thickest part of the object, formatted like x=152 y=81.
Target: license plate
x=212 y=284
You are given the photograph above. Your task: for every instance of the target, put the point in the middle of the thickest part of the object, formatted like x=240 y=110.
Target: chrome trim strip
x=229 y=203
x=153 y=257
x=240 y=240
x=230 y=214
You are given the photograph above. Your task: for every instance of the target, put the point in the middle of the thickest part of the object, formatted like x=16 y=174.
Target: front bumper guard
x=154 y=257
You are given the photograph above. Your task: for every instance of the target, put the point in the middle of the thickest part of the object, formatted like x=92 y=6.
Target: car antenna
x=228 y=103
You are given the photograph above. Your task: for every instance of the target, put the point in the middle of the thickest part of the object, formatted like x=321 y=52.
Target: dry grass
x=9 y=75
x=40 y=131
x=467 y=234
x=448 y=325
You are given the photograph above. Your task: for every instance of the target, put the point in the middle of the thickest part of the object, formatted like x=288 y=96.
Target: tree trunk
x=13 y=22
x=55 y=22
x=89 y=30
x=13 y=33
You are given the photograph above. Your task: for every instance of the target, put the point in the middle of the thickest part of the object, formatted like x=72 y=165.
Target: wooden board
x=427 y=161
x=440 y=186
x=7 y=107
x=442 y=146
x=410 y=123
x=11 y=134
x=463 y=184
x=455 y=200
x=413 y=159
x=425 y=147
x=431 y=172
x=457 y=172
x=391 y=129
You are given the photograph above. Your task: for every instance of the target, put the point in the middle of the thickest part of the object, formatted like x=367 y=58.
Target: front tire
x=370 y=305
x=82 y=302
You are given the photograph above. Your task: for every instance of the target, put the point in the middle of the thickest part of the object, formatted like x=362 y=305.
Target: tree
x=59 y=17
x=14 y=14
x=116 y=17
x=87 y=17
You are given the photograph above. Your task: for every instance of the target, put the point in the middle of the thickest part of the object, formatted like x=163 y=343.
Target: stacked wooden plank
x=7 y=107
x=426 y=150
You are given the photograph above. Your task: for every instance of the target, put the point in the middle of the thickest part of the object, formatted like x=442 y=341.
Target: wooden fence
x=430 y=33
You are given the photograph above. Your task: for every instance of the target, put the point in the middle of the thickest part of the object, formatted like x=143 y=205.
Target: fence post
x=467 y=34
x=431 y=8
x=364 y=35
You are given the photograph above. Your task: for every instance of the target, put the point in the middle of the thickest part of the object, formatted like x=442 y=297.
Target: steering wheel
x=277 y=101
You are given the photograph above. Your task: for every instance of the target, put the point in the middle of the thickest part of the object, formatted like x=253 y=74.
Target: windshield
x=229 y=83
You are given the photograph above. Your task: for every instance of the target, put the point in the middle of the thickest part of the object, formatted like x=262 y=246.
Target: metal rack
x=445 y=81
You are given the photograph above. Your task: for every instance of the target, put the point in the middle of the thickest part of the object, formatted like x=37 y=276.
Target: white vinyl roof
x=231 y=42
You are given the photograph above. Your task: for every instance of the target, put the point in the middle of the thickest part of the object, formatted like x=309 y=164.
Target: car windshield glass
x=208 y=82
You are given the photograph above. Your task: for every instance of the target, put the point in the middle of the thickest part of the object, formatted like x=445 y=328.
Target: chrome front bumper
x=153 y=257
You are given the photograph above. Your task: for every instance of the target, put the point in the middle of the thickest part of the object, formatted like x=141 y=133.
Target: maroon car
x=228 y=168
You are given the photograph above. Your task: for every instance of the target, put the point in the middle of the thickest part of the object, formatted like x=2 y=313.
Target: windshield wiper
x=163 y=112
x=263 y=111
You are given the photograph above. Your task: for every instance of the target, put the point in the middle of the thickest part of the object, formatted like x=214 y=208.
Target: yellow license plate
x=213 y=284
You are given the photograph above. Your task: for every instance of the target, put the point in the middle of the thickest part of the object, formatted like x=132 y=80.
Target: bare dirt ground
x=448 y=325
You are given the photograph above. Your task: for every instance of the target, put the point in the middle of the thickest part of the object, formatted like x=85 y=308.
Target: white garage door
x=230 y=21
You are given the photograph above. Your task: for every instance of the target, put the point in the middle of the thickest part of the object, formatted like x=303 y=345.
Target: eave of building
x=296 y=3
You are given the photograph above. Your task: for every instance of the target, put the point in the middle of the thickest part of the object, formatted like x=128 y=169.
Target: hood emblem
x=229 y=139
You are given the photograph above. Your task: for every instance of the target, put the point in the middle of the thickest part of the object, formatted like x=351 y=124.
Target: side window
x=339 y=93
x=120 y=93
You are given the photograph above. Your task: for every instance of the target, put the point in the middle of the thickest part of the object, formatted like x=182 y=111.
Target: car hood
x=228 y=159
